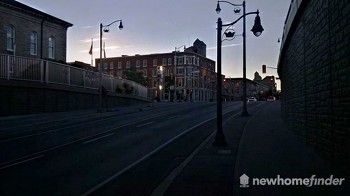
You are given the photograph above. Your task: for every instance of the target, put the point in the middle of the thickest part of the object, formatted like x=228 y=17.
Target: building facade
x=176 y=75
x=28 y=32
x=198 y=47
x=233 y=89
x=271 y=82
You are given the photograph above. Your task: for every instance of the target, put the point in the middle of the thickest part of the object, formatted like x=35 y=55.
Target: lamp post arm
x=234 y=22
x=230 y=3
x=112 y=23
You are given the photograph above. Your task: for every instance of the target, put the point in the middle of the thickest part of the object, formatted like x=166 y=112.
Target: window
x=155 y=62
x=105 y=66
x=111 y=65
x=10 y=38
x=189 y=60
x=180 y=70
x=189 y=71
x=179 y=82
x=144 y=63
x=33 y=43
x=186 y=60
x=138 y=63
x=127 y=64
x=51 y=48
x=167 y=72
x=169 y=61
x=180 y=60
x=164 y=61
x=119 y=65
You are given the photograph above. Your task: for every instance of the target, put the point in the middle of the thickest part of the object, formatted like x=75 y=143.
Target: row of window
x=187 y=60
x=181 y=60
x=11 y=42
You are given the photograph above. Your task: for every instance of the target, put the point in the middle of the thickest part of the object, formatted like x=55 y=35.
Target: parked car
x=250 y=99
x=271 y=98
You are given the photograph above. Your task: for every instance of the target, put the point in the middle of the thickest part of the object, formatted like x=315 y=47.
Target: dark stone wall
x=23 y=97
x=315 y=76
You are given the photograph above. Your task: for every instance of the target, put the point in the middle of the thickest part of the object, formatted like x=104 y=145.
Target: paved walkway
x=258 y=146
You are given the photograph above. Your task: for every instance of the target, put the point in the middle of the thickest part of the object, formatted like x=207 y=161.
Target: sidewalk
x=258 y=146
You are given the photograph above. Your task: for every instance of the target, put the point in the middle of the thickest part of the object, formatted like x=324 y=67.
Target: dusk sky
x=156 y=26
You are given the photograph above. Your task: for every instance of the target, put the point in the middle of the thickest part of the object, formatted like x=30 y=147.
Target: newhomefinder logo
x=279 y=181
x=244 y=181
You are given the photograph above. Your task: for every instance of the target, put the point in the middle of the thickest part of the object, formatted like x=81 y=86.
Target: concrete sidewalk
x=258 y=146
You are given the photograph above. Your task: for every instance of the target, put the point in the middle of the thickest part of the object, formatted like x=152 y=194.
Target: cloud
x=95 y=40
x=225 y=46
x=108 y=48
x=87 y=27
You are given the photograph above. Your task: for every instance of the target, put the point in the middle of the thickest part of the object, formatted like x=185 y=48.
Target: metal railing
x=44 y=71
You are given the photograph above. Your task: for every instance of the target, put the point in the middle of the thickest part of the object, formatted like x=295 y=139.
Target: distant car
x=271 y=98
x=251 y=99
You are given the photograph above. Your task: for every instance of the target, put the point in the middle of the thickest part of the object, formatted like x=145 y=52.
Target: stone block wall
x=23 y=97
x=314 y=68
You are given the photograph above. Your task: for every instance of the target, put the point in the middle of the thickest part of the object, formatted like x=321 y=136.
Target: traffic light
x=264 y=68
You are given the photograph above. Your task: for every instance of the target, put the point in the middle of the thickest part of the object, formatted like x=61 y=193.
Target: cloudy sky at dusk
x=155 y=26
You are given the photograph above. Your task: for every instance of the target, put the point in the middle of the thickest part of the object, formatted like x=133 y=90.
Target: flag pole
x=92 y=52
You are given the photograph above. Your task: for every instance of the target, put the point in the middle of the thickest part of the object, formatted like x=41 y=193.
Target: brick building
x=271 y=82
x=195 y=74
x=28 y=32
x=233 y=89
x=198 y=47
x=315 y=75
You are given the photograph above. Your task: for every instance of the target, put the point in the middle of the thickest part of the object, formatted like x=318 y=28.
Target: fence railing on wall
x=44 y=71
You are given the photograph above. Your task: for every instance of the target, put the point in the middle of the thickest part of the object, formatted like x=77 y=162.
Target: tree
x=169 y=81
x=135 y=76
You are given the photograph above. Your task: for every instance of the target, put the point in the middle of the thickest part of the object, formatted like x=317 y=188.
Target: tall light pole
x=104 y=28
x=219 y=137
x=257 y=30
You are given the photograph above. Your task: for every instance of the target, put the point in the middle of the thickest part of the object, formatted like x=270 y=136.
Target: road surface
x=82 y=153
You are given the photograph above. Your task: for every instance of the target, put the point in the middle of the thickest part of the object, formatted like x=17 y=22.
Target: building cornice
x=17 y=6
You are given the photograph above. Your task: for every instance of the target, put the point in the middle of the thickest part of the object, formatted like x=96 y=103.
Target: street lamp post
x=257 y=30
x=219 y=137
x=104 y=28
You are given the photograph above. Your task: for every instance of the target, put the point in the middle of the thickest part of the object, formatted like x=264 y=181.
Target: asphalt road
x=82 y=153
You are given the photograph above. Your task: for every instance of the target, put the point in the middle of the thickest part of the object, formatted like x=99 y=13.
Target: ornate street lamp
x=257 y=30
x=104 y=28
